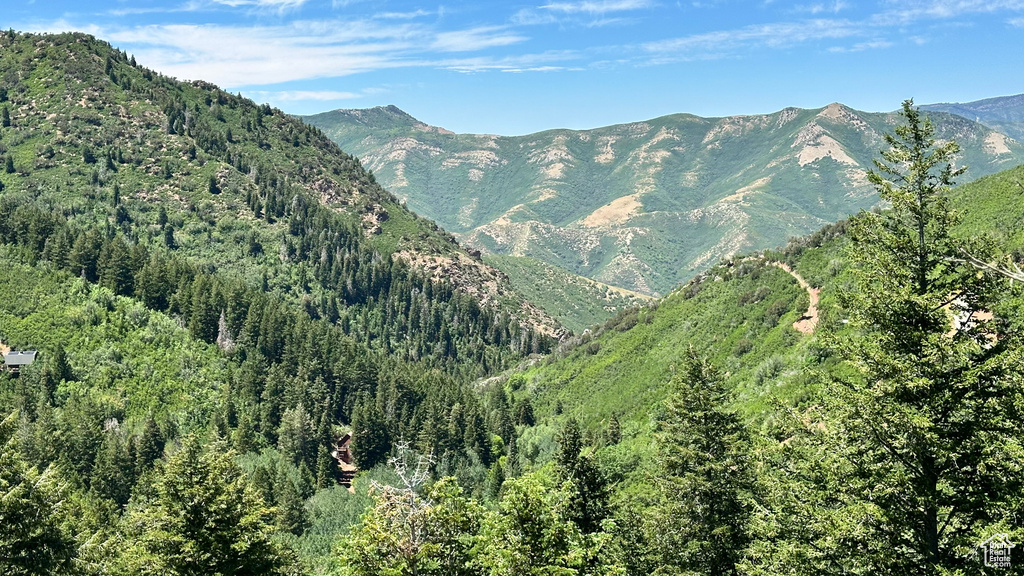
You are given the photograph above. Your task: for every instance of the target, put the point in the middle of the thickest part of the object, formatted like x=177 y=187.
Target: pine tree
x=169 y=237
x=291 y=514
x=85 y=252
x=325 y=468
x=917 y=449
x=205 y=519
x=295 y=436
x=614 y=433
x=59 y=365
x=204 y=310
x=149 y=446
x=582 y=480
x=700 y=522
x=114 y=472
x=31 y=539
x=371 y=440
x=114 y=267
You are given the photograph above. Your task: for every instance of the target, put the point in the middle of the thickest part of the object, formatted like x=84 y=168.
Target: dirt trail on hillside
x=4 y=349
x=809 y=321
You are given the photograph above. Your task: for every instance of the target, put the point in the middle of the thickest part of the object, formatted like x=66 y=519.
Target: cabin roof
x=20 y=358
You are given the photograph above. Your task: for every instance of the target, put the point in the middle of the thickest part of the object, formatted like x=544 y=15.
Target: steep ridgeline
x=1004 y=114
x=648 y=205
x=98 y=141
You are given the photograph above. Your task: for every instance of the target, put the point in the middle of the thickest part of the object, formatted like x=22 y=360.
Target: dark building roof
x=23 y=358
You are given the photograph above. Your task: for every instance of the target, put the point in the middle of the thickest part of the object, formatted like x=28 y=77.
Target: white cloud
x=833 y=7
x=910 y=10
x=1017 y=22
x=475 y=39
x=862 y=46
x=402 y=15
x=721 y=43
x=266 y=4
x=251 y=56
x=531 y=17
x=597 y=6
x=301 y=95
x=525 y=62
x=538 y=69
x=191 y=6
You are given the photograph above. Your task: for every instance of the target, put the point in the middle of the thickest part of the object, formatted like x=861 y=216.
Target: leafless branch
x=1011 y=270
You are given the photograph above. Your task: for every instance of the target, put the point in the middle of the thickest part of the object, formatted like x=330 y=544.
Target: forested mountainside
x=648 y=205
x=198 y=392
x=202 y=273
x=1004 y=113
x=101 y=142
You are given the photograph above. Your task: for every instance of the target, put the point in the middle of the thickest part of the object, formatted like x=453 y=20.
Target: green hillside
x=102 y=141
x=217 y=294
x=576 y=302
x=648 y=205
x=739 y=314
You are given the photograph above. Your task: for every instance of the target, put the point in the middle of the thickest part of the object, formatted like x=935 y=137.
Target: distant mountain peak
x=646 y=205
x=1004 y=114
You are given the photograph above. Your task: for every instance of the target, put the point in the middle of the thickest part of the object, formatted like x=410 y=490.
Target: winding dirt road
x=809 y=321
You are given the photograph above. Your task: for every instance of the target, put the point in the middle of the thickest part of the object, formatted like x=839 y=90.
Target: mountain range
x=253 y=358
x=1003 y=113
x=648 y=205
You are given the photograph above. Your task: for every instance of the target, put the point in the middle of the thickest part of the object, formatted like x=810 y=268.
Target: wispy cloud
x=253 y=56
x=834 y=7
x=533 y=17
x=366 y=38
x=586 y=14
x=279 y=5
x=597 y=6
x=539 y=69
x=910 y=10
x=475 y=39
x=402 y=15
x=191 y=6
x=301 y=95
x=236 y=56
x=711 y=45
x=862 y=46
x=546 y=61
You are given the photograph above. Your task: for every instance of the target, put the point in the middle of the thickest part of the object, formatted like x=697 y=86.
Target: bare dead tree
x=402 y=507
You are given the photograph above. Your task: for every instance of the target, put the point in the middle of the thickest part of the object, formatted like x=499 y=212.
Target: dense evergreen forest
x=218 y=295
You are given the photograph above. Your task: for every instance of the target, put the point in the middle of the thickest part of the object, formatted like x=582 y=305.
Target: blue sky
x=524 y=66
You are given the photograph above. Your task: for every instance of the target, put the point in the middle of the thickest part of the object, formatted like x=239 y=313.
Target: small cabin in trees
x=343 y=456
x=343 y=449
x=15 y=360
